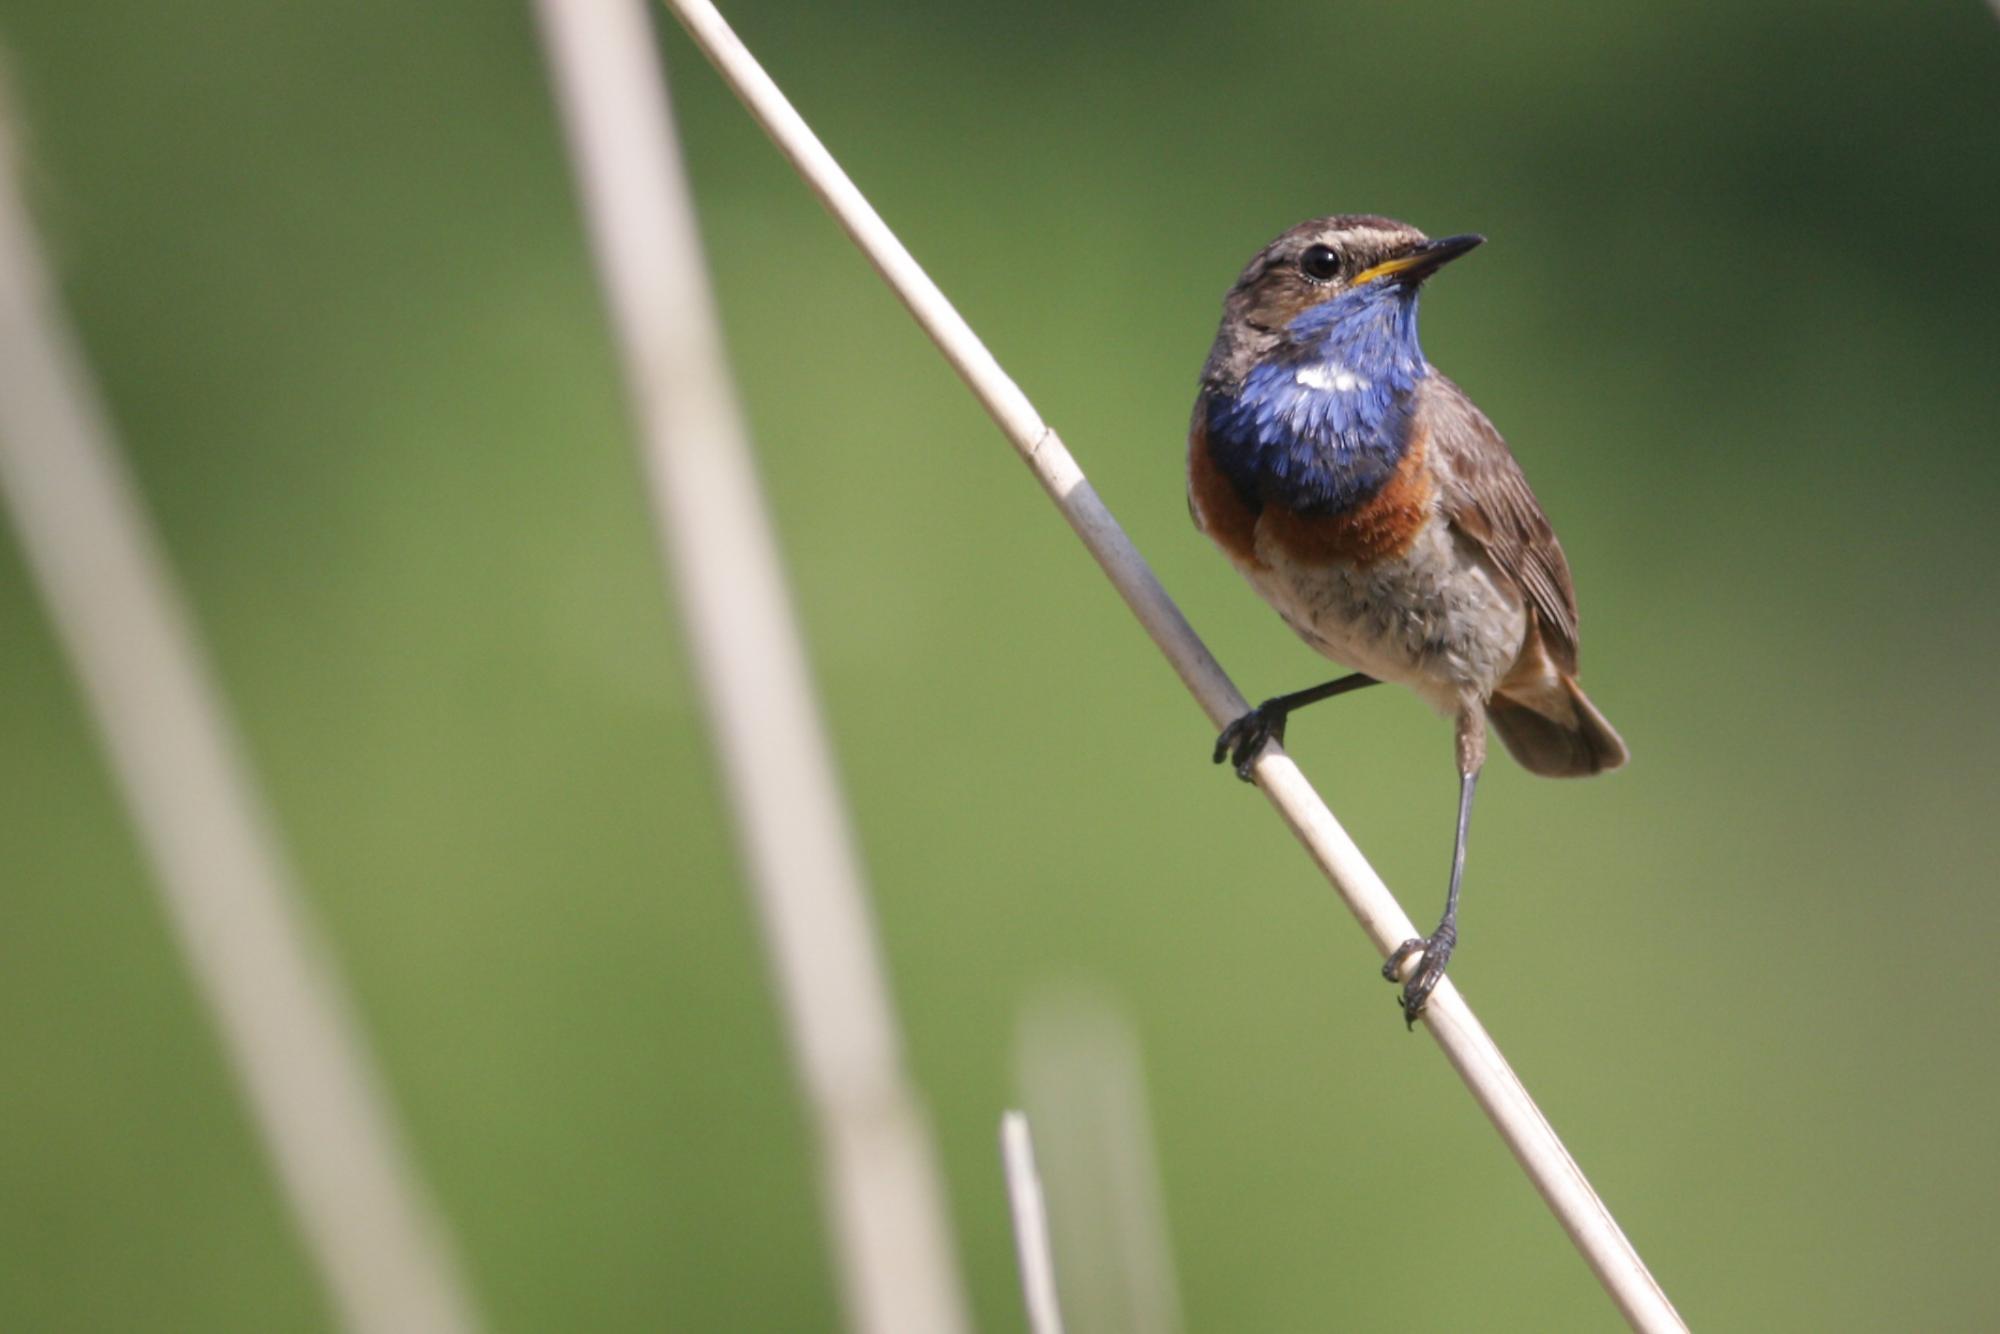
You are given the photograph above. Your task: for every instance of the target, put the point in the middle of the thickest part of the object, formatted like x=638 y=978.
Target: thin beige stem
x=1031 y=1225
x=881 y=1187
x=1466 y=1045
x=256 y=955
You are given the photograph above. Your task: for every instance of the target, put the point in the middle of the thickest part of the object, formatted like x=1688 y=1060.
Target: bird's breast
x=1382 y=585
x=1428 y=616
x=1246 y=514
x=1381 y=526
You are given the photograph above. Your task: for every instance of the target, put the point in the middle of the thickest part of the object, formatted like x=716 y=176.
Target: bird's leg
x=1243 y=740
x=1438 y=945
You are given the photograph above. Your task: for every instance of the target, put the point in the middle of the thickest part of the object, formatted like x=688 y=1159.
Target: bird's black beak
x=1420 y=261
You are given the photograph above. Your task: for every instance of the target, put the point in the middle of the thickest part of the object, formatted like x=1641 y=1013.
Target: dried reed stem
x=1466 y=1044
x=881 y=1188
x=1031 y=1225
x=256 y=955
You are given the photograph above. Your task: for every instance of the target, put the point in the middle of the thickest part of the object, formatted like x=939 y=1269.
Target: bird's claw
x=1427 y=974
x=1244 y=739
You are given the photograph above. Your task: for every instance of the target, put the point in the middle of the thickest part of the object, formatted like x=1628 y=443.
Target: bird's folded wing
x=1487 y=500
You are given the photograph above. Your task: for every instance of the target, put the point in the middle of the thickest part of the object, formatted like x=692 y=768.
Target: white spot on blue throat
x=1331 y=376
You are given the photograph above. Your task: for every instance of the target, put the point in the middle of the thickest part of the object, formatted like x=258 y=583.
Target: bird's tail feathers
x=1550 y=726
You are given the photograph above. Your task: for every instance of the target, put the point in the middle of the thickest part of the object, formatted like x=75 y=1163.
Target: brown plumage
x=1548 y=724
x=1228 y=519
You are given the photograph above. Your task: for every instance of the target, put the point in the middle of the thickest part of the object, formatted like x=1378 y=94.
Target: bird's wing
x=1487 y=500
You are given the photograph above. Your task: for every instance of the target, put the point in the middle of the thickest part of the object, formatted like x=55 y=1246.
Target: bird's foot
x=1244 y=739
x=1427 y=974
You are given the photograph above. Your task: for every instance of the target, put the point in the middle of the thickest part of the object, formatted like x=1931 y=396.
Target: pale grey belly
x=1433 y=620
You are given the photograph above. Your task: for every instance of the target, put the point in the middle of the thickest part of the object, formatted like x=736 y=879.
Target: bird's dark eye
x=1320 y=264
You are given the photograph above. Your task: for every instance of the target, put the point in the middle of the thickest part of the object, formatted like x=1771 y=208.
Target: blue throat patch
x=1320 y=425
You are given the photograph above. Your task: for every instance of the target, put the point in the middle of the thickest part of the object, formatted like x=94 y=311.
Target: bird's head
x=1343 y=287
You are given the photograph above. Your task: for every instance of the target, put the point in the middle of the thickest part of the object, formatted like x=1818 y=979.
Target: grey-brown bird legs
x=1438 y=945
x=1244 y=738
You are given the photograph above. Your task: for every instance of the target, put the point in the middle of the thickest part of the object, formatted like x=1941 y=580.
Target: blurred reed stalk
x=1031 y=1225
x=881 y=1188
x=1077 y=1065
x=1449 y=1020
x=258 y=959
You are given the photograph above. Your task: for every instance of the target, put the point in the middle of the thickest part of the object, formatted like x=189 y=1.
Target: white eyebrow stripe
x=1373 y=237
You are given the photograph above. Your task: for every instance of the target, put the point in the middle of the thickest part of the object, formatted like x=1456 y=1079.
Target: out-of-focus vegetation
x=1739 y=318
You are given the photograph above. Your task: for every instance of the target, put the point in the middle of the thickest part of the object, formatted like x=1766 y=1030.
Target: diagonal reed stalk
x=1471 y=1052
x=880 y=1185
x=255 y=953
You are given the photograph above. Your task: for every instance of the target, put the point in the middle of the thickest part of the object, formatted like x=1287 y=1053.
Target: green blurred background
x=1739 y=317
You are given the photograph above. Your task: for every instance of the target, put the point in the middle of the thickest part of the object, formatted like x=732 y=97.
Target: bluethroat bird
x=1380 y=513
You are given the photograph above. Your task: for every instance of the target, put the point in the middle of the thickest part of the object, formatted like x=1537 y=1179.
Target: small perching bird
x=1369 y=502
